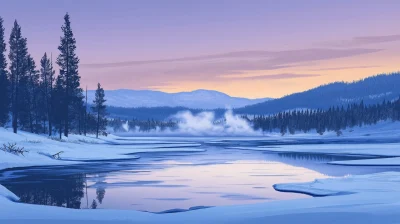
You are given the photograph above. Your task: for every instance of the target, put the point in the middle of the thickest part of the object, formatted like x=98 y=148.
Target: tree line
x=35 y=99
x=117 y=125
x=333 y=119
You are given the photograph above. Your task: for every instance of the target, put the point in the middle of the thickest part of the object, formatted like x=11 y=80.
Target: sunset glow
x=262 y=49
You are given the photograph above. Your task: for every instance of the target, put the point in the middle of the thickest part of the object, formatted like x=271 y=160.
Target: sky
x=245 y=48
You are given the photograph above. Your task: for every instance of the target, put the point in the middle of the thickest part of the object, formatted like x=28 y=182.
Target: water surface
x=176 y=180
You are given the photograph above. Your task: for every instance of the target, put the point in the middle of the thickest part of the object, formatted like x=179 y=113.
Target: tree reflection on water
x=62 y=191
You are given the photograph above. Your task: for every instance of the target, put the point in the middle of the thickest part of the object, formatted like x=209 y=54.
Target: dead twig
x=57 y=155
x=14 y=149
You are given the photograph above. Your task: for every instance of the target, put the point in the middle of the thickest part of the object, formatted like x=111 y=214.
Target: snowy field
x=371 y=198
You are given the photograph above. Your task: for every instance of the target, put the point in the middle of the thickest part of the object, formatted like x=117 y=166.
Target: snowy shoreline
x=368 y=199
x=361 y=198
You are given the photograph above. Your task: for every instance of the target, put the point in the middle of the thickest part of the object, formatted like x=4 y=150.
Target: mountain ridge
x=370 y=90
x=197 y=99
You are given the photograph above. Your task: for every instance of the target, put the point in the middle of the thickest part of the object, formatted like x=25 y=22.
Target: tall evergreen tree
x=57 y=104
x=33 y=93
x=47 y=79
x=68 y=63
x=18 y=58
x=4 y=82
x=99 y=108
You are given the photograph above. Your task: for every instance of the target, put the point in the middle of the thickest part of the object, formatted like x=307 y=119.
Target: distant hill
x=371 y=90
x=198 y=99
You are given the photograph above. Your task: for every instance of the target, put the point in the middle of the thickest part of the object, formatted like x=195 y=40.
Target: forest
x=40 y=100
x=333 y=119
x=36 y=98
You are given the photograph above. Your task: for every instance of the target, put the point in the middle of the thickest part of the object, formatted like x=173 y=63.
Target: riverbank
x=372 y=198
x=368 y=199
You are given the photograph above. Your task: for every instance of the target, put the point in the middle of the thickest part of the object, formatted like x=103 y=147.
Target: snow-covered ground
x=373 y=198
x=77 y=148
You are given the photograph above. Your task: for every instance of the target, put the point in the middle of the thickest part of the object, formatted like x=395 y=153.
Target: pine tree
x=4 y=82
x=94 y=204
x=68 y=63
x=18 y=58
x=47 y=79
x=32 y=97
x=57 y=105
x=100 y=109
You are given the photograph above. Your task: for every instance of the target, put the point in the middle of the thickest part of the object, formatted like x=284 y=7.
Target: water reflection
x=174 y=181
x=66 y=191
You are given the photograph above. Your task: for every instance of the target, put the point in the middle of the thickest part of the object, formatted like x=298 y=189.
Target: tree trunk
x=50 y=99
x=66 y=128
x=98 y=124
x=60 y=130
x=15 y=109
x=85 y=125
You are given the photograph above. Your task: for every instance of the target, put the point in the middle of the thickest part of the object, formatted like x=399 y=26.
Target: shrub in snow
x=57 y=139
x=87 y=141
x=33 y=141
x=13 y=148
x=94 y=204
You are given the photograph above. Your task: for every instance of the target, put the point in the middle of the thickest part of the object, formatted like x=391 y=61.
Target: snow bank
x=369 y=162
x=391 y=150
x=372 y=149
x=388 y=182
x=5 y=193
x=77 y=148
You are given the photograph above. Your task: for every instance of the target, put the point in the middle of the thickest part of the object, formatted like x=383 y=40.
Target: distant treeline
x=141 y=125
x=334 y=119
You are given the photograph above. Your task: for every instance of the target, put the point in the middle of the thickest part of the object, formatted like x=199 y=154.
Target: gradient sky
x=243 y=48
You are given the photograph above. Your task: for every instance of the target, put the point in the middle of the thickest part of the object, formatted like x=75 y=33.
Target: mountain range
x=198 y=99
x=371 y=90
x=159 y=105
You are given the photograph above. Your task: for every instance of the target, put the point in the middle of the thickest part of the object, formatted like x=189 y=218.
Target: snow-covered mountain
x=198 y=99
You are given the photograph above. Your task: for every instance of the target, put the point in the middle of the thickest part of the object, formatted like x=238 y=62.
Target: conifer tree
x=4 y=82
x=18 y=66
x=99 y=108
x=47 y=79
x=32 y=97
x=57 y=103
x=68 y=63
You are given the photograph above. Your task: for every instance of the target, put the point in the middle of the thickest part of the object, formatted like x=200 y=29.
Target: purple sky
x=244 y=48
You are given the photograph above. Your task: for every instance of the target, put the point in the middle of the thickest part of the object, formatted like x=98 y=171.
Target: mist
x=200 y=124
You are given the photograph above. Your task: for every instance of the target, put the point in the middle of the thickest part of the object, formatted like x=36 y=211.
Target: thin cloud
x=238 y=54
x=364 y=40
x=273 y=58
x=344 y=68
x=211 y=68
x=278 y=76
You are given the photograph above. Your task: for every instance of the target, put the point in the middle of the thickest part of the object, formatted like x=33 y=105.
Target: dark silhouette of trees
x=4 y=82
x=46 y=91
x=99 y=108
x=333 y=119
x=18 y=72
x=68 y=62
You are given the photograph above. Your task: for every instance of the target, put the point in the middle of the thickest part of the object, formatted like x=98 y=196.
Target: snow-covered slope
x=198 y=99
x=371 y=90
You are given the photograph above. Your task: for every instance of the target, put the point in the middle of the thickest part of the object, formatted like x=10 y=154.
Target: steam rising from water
x=126 y=126
x=203 y=124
